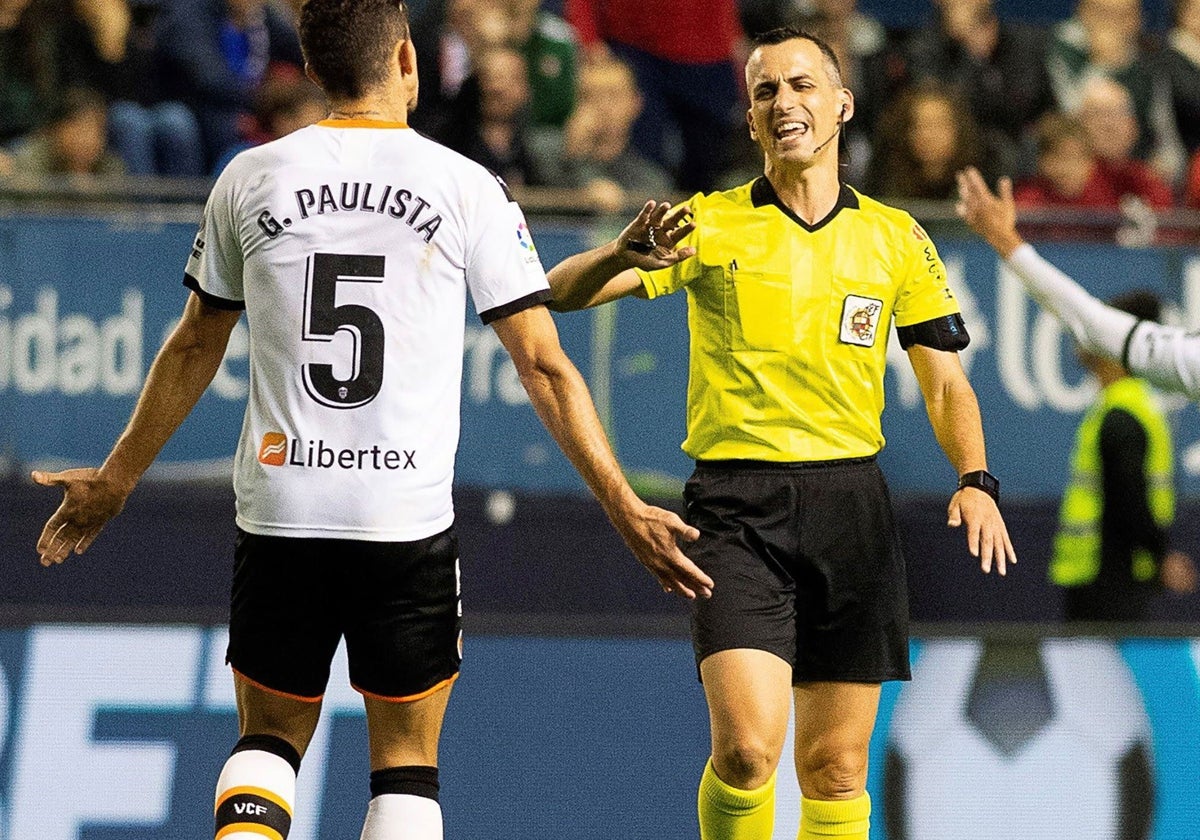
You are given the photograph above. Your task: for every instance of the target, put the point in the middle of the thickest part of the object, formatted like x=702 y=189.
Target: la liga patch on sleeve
x=860 y=320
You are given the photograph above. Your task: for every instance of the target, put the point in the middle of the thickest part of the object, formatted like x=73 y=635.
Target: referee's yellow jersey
x=789 y=322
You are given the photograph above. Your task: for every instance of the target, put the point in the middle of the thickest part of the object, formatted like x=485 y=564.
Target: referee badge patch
x=860 y=320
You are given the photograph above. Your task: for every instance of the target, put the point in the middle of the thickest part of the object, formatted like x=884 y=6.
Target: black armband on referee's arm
x=945 y=333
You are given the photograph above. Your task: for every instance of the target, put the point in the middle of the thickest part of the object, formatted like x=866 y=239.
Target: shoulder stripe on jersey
x=210 y=299
x=513 y=307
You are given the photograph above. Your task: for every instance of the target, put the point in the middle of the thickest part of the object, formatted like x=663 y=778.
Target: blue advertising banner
x=85 y=303
x=116 y=731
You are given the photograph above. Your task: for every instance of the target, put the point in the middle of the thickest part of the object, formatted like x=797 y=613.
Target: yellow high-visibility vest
x=1076 y=558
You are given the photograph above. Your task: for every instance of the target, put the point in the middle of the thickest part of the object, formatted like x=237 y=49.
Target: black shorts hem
x=437 y=685
x=892 y=676
x=279 y=692
x=700 y=657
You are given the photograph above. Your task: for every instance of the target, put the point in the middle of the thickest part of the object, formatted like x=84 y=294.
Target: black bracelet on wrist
x=982 y=480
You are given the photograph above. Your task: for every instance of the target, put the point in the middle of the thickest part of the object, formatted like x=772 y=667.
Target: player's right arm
x=1167 y=356
x=561 y=399
x=184 y=367
x=604 y=274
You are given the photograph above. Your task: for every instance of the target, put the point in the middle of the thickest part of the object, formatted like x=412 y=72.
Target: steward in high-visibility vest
x=1119 y=501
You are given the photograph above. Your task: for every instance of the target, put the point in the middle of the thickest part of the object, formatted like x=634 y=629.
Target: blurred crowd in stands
x=625 y=99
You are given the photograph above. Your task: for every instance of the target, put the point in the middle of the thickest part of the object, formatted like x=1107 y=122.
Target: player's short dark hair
x=1142 y=304
x=780 y=34
x=349 y=43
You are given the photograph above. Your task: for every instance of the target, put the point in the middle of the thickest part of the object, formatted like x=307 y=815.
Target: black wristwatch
x=983 y=480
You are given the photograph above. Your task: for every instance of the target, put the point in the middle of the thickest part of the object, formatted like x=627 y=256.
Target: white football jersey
x=351 y=247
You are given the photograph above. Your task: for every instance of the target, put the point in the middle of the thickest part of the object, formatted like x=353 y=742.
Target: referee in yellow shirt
x=793 y=284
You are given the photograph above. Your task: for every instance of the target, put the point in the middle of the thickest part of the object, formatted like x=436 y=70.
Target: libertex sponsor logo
x=278 y=450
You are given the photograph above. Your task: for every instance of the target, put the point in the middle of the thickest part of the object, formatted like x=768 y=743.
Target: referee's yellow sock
x=727 y=813
x=846 y=819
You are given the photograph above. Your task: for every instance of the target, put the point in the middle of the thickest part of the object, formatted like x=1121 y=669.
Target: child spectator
x=594 y=150
x=73 y=142
x=1067 y=171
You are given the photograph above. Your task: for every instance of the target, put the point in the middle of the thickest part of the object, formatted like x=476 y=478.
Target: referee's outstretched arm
x=606 y=273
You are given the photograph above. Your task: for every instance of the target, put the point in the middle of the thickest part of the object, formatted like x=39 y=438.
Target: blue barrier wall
x=118 y=732
x=85 y=302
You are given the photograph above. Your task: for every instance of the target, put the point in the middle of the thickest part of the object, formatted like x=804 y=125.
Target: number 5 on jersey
x=323 y=320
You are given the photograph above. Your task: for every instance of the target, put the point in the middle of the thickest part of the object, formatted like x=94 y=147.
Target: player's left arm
x=181 y=372
x=954 y=414
x=561 y=399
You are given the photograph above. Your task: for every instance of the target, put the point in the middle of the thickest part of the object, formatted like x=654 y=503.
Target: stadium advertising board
x=85 y=302
x=110 y=731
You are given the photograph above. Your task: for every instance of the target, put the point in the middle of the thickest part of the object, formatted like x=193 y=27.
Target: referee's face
x=796 y=109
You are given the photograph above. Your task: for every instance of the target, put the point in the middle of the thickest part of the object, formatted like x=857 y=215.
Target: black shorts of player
x=396 y=603
x=806 y=564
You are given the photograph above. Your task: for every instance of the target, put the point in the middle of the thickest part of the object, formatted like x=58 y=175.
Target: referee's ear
x=847 y=111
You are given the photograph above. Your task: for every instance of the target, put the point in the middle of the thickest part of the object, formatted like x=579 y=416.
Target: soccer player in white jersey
x=352 y=245
x=1168 y=357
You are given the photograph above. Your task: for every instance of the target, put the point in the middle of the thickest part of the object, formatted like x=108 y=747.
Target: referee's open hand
x=653 y=535
x=987 y=535
x=89 y=501
x=651 y=240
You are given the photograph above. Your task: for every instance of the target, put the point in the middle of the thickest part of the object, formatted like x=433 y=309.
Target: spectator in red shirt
x=1108 y=117
x=1191 y=194
x=683 y=60
x=1067 y=171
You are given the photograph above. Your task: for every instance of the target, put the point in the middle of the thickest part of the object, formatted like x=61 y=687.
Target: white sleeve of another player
x=504 y=272
x=1094 y=325
x=1166 y=356
x=214 y=268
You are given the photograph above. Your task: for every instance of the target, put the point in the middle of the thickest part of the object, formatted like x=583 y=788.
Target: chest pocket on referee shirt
x=759 y=310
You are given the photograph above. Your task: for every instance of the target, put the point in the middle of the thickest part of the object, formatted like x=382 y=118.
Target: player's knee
x=746 y=763
x=832 y=772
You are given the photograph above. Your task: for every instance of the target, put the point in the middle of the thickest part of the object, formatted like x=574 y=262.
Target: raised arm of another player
x=954 y=414
x=1167 y=356
x=182 y=370
x=561 y=399
x=607 y=273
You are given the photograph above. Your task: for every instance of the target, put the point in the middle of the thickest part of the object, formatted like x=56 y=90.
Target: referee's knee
x=832 y=772
x=745 y=764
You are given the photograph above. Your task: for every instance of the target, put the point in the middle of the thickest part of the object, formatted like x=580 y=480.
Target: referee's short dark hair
x=348 y=44
x=792 y=33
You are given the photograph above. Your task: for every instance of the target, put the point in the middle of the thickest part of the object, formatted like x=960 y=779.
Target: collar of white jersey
x=360 y=123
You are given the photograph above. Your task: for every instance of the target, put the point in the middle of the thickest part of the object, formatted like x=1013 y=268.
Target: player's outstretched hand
x=987 y=535
x=992 y=215
x=652 y=534
x=89 y=501
x=650 y=241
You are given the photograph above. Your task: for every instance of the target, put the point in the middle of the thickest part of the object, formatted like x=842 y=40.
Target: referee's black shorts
x=396 y=603
x=806 y=564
